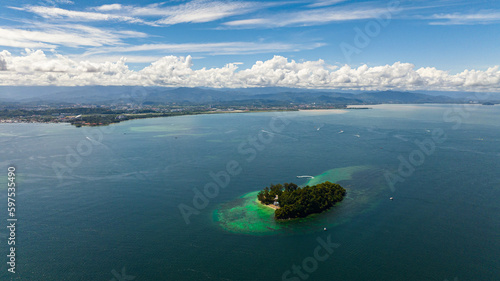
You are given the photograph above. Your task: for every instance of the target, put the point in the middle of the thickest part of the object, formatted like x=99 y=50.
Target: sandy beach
x=270 y=205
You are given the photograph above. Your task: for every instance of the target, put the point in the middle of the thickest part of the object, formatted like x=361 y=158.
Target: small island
x=291 y=201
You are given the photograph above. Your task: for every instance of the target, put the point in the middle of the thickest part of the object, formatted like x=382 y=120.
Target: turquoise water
x=118 y=206
x=246 y=215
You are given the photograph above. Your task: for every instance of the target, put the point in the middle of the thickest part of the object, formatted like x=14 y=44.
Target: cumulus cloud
x=3 y=63
x=37 y=68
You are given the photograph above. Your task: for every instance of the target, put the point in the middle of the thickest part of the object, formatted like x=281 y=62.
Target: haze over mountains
x=159 y=95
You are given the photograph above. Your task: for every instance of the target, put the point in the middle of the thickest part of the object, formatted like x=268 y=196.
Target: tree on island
x=296 y=202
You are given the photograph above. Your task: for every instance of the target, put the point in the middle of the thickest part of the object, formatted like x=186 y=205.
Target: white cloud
x=485 y=17
x=249 y=22
x=36 y=68
x=314 y=16
x=195 y=11
x=18 y=41
x=110 y=7
x=323 y=3
x=203 y=11
x=112 y=57
x=3 y=61
x=53 y=2
x=51 y=36
x=59 y=13
x=199 y=11
x=220 y=48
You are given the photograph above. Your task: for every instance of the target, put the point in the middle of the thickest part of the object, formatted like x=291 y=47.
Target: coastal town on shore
x=97 y=115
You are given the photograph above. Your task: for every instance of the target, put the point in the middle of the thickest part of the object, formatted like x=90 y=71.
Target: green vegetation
x=296 y=202
x=101 y=116
x=97 y=119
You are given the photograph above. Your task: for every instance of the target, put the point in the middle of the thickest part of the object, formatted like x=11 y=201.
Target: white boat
x=310 y=177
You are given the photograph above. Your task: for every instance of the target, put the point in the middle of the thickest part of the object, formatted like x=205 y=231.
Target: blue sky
x=449 y=36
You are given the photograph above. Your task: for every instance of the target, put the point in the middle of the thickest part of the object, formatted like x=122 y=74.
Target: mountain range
x=270 y=95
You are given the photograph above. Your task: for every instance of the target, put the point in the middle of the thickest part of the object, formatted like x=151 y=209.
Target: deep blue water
x=115 y=205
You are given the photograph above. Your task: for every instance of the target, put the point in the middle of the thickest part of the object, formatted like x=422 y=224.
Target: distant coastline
x=102 y=115
x=98 y=119
x=101 y=106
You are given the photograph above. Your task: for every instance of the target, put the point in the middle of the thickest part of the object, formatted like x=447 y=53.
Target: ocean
x=168 y=198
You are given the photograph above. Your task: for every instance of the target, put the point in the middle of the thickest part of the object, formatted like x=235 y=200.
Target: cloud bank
x=37 y=68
